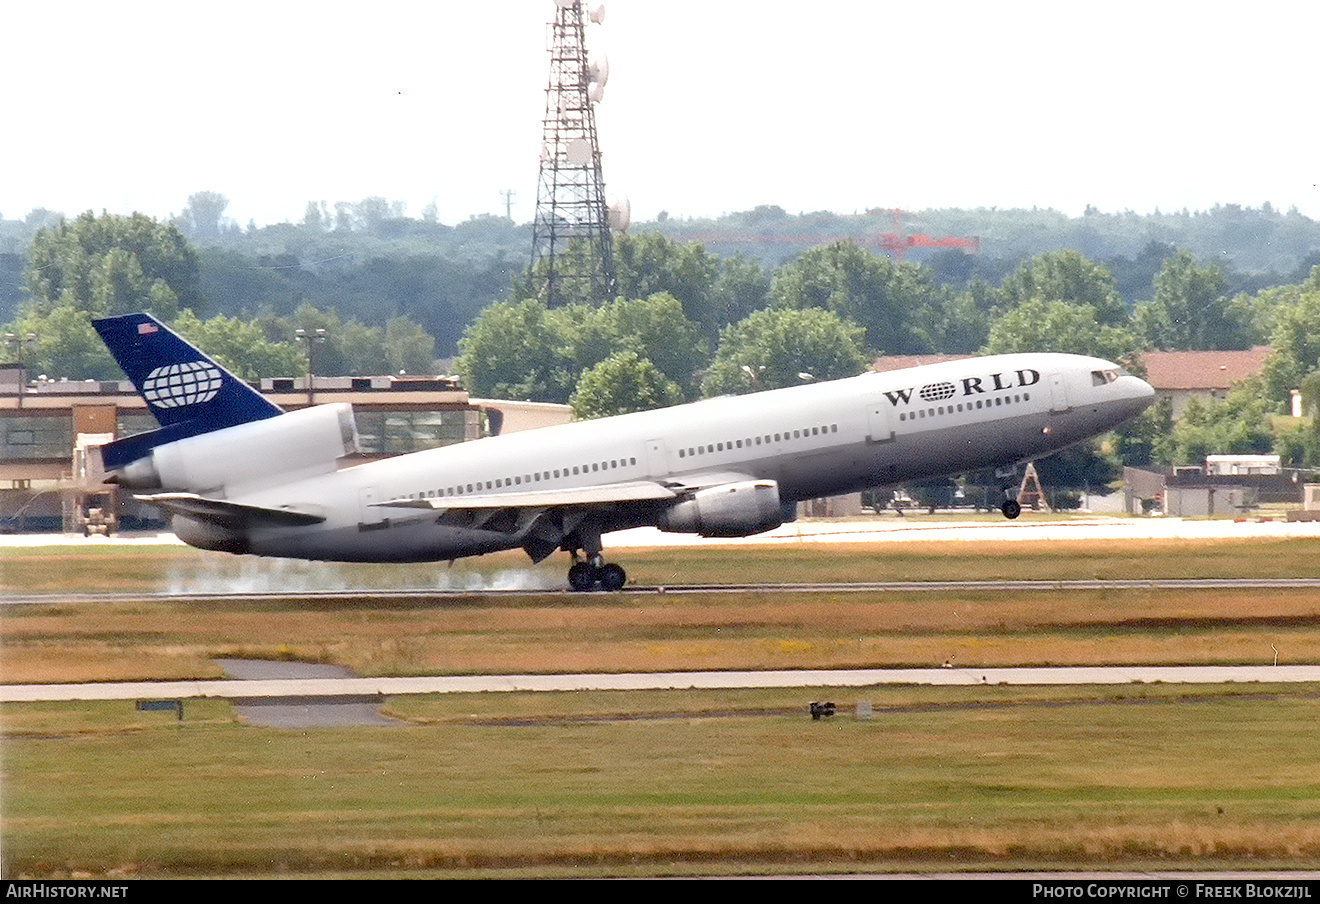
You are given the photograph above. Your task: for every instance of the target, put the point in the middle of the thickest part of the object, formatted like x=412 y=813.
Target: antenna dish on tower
x=620 y=215
x=571 y=242
x=578 y=151
x=598 y=73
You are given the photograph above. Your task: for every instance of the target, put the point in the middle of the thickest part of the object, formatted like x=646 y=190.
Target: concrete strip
x=322 y=688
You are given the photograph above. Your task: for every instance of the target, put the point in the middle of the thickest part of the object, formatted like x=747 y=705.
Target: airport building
x=50 y=478
x=1206 y=376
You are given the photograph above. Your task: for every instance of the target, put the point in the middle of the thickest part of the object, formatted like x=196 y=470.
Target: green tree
x=775 y=348
x=516 y=350
x=96 y=267
x=202 y=216
x=241 y=346
x=1093 y=464
x=658 y=330
x=1295 y=340
x=560 y=344
x=896 y=304
x=576 y=274
x=351 y=347
x=1065 y=276
x=110 y=265
x=620 y=384
x=1146 y=439
x=408 y=347
x=66 y=345
x=1038 y=325
x=651 y=263
x=1239 y=424
x=1191 y=309
x=743 y=286
x=1307 y=450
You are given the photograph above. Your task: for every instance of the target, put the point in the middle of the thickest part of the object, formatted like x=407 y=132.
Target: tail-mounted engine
x=281 y=449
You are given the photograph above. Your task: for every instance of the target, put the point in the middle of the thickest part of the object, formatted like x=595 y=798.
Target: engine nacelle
x=728 y=510
x=203 y=535
x=281 y=449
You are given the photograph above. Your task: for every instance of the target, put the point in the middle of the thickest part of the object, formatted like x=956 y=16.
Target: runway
x=886 y=528
x=324 y=688
x=422 y=596
x=869 y=530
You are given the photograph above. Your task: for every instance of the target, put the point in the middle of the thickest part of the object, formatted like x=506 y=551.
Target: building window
x=47 y=437
x=399 y=432
x=130 y=423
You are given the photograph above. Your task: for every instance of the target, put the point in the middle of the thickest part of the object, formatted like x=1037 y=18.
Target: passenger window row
x=613 y=464
x=936 y=411
x=752 y=441
x=526 y=479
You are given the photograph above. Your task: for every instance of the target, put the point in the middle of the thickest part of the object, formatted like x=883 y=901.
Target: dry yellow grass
x=107 y=641
x=89 y=567
x=725 y=781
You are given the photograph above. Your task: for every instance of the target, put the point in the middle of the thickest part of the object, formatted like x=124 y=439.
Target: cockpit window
x=1103 y=377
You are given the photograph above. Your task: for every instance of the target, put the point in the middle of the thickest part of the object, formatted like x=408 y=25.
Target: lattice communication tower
x=571 y=231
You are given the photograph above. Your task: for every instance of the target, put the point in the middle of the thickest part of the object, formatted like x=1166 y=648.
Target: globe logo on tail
x=180 y=385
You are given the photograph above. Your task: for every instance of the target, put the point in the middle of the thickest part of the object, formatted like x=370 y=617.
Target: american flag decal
x=146 y=329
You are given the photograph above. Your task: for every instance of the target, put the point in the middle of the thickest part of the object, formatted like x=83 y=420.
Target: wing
x=542 y=519
x=637 y=491
x=230 y=514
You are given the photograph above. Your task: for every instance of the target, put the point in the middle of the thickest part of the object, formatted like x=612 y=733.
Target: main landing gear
x=588 y=573
x=589 y=569
x=1011 y=508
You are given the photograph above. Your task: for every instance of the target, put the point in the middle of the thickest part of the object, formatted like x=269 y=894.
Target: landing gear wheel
x=1011 y=509
x=612 y=577
x=582 y=576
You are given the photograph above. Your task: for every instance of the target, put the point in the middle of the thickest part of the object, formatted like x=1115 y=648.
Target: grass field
x=156 y=569
x=673 y=783
x=562 y=632
x=725 y=782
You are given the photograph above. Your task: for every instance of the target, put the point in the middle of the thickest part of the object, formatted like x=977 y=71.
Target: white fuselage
x=815 y=440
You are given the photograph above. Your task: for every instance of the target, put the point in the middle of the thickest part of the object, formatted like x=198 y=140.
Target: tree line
x=686 y=322
x=369 y=261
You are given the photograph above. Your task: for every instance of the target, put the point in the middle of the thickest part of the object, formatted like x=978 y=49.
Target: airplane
x=237 y=474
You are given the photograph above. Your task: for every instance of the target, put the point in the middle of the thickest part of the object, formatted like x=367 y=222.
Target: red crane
x=896 y=243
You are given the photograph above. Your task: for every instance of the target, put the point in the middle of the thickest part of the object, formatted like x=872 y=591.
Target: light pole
x=309 y=337
x=754 y=375
x=16 y=344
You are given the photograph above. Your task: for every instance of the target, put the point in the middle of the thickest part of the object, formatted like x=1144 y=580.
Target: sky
x=712 y=106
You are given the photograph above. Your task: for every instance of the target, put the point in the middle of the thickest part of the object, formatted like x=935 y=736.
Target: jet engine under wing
x=229 y=514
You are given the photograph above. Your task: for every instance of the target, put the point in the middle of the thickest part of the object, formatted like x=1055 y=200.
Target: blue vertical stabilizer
x=187 y=392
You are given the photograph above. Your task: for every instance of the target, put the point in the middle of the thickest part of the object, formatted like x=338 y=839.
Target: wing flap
x=573 y=497
x=690 y=483
x=230 y=514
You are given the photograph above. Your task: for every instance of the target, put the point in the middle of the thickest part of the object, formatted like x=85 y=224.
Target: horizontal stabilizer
x=230 y=514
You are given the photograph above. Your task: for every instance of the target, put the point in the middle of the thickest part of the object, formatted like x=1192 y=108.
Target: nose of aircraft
x=1138 y=393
